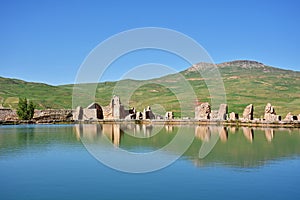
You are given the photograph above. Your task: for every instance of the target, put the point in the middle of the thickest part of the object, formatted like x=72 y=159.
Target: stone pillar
x=223 y=111
x=248 y=113
x=78 y=114
x=270 y=114
x=144 y=114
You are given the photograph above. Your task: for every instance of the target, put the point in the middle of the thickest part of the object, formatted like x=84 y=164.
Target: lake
x=107 y=161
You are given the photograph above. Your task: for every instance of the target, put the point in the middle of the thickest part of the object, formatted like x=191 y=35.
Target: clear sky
x=46 y=41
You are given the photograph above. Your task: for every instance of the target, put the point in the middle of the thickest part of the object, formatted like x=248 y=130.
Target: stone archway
x=98 y=110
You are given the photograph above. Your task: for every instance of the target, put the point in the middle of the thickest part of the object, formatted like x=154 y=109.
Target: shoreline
x=237 y=123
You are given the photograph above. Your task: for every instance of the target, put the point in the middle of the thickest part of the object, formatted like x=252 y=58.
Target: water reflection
x=203 y=133
x=237 y=146
x=269 y=133
x=248 y=133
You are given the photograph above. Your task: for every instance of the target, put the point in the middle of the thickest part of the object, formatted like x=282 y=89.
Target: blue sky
x=46 y=41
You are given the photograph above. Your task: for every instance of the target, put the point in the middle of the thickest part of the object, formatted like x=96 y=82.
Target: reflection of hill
x=239 y=147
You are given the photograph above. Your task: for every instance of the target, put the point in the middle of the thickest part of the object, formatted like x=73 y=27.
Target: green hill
x=245 y=82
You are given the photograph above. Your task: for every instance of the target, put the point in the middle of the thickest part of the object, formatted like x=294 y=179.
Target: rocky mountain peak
x=245 y=64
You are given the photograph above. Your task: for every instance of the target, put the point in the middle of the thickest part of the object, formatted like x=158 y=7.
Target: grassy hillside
x=45 y=96
x=245 y=82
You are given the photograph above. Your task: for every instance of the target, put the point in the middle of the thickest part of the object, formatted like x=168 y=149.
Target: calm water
x=51 y=162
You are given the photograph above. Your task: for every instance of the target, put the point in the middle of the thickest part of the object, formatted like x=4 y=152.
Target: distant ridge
x=241 y=63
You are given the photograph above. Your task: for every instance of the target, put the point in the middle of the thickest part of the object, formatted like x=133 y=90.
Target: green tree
x=25 y=110
x=30 y=110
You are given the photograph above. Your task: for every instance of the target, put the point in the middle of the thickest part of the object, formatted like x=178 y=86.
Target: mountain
x=245 y=82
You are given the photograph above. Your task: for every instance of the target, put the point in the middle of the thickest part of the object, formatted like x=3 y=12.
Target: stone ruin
x=118 y=111
x=270 y=114
x=115 y=110
x=248 y=113
x=223 y=111
x=131 y=114
x=233 y=116
x=290 y=117
x=204 y=112
x=169 y=115
x=148 y=114
x=92 y=112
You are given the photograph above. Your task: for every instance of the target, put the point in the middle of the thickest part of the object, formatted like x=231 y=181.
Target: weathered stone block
x=270 y=114
x=223 y=111
x=202 y=111
x=169 y=115
x=248 y=112
x=233 y=116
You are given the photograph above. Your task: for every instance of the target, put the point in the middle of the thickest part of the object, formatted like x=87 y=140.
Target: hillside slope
x=245 y=82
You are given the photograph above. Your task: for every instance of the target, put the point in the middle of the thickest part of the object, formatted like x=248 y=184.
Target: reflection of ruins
x=204 y=132
x=248 y=133
x=269 y=133
x=169 y=128
x=236 y=151
x=113 y=131
x=91 y=132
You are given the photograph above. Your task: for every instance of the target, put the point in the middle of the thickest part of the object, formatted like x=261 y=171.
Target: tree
x=30 y=110
x=25 y=111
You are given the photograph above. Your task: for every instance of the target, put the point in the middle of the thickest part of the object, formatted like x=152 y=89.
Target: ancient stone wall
x=53 y=114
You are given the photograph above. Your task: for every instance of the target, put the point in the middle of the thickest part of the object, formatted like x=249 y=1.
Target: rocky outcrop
x=7 y=114
x=248 y=113
x=244 y=64
x=39 y=115
x=53 y=114
x=202 y=111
